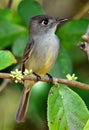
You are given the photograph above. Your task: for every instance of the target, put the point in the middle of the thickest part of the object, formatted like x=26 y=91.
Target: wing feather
x=27 y=53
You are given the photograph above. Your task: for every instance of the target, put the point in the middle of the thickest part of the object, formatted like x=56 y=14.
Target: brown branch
x=4 y=84
x=9 y=3
x=84 y=46
x=84 y=10
x=46 y=79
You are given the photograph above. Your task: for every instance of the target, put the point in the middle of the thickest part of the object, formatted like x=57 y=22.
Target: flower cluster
x=17 y=75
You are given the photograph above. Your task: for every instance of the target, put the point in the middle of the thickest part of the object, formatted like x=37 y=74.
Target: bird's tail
x=23 y=106
x=22 y=110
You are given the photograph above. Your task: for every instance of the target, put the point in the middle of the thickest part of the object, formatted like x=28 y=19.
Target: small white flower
x=27 y=72
x=17 y=75
x=71 y=77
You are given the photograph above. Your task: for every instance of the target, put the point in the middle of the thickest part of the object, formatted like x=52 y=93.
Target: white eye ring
x=45 y=22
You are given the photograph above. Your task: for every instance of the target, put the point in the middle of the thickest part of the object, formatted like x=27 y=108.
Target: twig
x=82 y=11
x=6 y=81
x=9 y=3
x=4 y=84
x=46 y=79
x=84 y=46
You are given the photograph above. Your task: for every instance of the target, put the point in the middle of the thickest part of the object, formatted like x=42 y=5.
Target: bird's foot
x=38 y=78
x=50 y=77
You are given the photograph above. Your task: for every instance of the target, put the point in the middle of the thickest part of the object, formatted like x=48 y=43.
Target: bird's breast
x=44 y=54
x=47 y=52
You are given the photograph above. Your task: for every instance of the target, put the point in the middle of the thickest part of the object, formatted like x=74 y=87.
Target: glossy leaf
x=38 y=102
x=28 y=9
x=86 y=126
x=66 y=110
x=6 y=59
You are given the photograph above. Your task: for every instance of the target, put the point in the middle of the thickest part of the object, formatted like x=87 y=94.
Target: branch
x=32 y=77
x=9 y=3
x=84 y=46
x=84 y=10
x=4 y=84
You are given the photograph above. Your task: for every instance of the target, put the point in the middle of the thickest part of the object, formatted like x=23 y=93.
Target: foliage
x=65 y=108
x=71 y=34
x=29 y=5
x=6 y=59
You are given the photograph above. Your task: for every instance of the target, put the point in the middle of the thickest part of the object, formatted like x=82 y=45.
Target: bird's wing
x=27 y=53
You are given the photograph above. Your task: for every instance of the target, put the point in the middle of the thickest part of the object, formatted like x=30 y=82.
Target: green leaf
x=8 y=15
x=9 y=32
x=70 y=35
x=28 y=9
x=71 y=32
x=6 y=59
x=38 y=102
x=63 y=65
x=86 y=126
x=66 y=110
x=5 y=14
x=19 y=45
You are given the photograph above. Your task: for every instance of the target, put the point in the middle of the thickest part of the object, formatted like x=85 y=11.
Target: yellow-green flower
x=17 y=75
x=71 y=77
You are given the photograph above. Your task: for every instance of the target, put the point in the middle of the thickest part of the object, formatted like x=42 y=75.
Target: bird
x=40 y=54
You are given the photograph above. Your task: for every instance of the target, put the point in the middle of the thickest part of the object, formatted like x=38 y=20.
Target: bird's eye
x=45 y=22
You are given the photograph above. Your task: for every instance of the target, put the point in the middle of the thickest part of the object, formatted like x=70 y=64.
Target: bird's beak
x=58 y=21
x=61 y=20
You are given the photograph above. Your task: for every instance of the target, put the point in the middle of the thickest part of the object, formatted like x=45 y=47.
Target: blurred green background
x=14 y=19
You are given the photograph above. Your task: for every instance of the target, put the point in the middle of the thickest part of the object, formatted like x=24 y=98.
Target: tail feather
x=22 y=110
